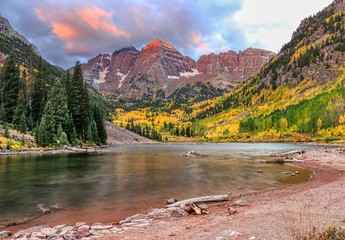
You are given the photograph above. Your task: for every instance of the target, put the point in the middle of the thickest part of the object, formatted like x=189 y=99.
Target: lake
x=128 y=179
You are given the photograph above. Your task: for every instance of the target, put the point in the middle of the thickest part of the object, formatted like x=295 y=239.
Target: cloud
x=270 y=23
x=66 y=31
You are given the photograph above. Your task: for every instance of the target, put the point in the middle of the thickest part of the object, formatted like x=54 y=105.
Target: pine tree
x=79 y=102
x=9 y=87
x=55 y=114
x=98 y=116
x=61 y=137
x=21 y=114
x=39 y=92
x=21 y=118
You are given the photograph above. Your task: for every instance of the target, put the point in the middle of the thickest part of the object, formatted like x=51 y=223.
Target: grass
x=329 y=233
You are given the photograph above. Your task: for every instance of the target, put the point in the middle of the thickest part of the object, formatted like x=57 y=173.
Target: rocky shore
x=294 y=210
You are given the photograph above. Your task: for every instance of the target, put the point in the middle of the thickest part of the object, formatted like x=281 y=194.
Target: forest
x=57 y=111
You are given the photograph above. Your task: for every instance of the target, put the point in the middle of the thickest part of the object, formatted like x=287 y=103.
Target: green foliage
x=79 y=102
x=309 y=116
x=39 y=92
x=9 y=87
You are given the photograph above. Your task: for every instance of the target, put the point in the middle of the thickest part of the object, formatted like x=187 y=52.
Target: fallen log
x=214 y=198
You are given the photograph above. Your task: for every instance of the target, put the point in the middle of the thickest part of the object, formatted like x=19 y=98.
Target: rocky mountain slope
x=300 y=94
x=26 y=54
x=159 y=70
x=7 y=30
x=118 y=135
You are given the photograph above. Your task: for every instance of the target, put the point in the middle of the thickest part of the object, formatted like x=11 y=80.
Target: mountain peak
x=160 y=44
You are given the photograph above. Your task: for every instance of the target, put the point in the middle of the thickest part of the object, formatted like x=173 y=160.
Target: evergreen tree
x=55 y=114
x=39 y=92
x=21 y=114
x=98 y=116
x=21 y=118
x=79 y=102
x=61 y=137
x=9 y=87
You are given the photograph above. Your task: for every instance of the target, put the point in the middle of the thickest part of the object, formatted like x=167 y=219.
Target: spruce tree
x=21 y=114
x=79 y=102
x=9 y=88
x=98 y=116
x=21 y=118
x=55 y=114
x=39 y=92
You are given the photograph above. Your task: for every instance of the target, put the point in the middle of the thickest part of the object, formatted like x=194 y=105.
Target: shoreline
x=284 y=206
x=82 y=149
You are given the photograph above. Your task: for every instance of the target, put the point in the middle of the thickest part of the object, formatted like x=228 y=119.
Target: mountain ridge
x=159 y=70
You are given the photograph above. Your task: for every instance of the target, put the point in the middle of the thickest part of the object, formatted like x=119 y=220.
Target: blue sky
x=66 y=31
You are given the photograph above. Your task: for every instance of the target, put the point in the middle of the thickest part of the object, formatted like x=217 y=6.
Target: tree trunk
x=214 y=198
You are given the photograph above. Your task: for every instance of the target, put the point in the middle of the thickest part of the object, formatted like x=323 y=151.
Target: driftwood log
x=214 y=198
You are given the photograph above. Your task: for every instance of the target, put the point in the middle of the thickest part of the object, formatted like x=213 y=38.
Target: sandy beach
x=283 y=213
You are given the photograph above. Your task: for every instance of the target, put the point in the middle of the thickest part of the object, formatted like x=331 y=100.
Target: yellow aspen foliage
x=283 y=124
x=319 y=124
x=342 y=120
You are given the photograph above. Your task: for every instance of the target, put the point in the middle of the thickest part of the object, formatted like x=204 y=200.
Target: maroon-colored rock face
x=106 y=72
x=159 y=69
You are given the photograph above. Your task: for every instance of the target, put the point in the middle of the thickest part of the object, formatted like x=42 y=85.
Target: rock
x=259 y=171
x=133 y=218
x=228 y=234
x=171 y=200
x=78 y=224
x=83 y=231
x=40 y=235
x=101 y=227
x=192 y=154
x=159 y=213
x=177 y=212
x=241 y=202
x=5 y=234
x=49 y=231
x=22 y=238
x=28 y=232
x=296 y=172
x=69 y=236
x=38 y=238
x=252 y=238
x=63 y=229
x=232 y=210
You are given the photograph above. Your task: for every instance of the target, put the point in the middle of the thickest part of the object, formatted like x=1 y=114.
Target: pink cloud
x=80 y=28
x=100 y=19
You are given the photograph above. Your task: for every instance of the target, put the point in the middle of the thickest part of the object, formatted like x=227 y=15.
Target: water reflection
x=127 y=175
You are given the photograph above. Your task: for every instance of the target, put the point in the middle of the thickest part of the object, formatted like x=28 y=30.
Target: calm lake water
x=132 y=178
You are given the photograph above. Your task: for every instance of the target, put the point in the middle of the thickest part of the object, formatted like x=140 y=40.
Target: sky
x=66 y=31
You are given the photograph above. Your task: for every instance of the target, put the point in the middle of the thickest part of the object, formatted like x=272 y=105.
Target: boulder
x=171 y=200
x=159 y=213
x=5 y=234
x=133 y=218
x=177 y=212
x=83 y=231
x=69 y=236
x=49 y=231
x=28 y=232
x=241 y=202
